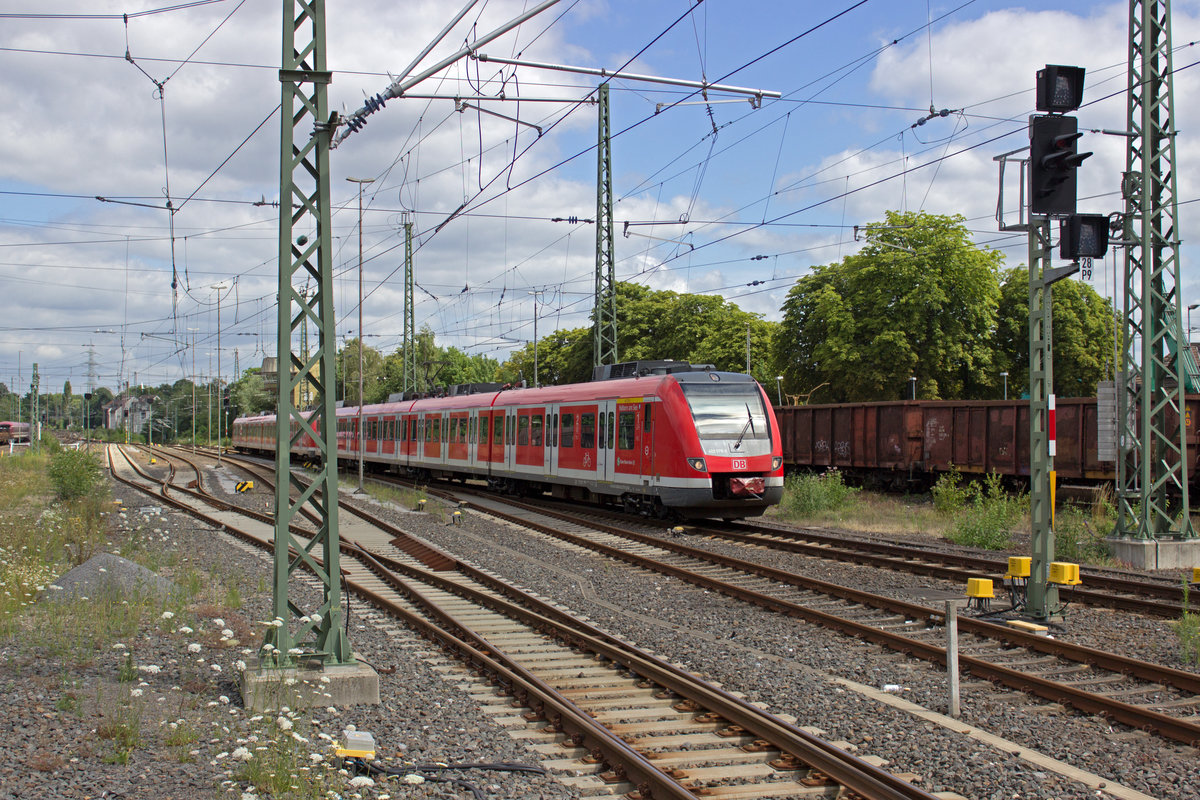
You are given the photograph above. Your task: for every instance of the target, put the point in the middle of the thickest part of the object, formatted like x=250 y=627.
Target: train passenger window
x=535 y=435
x=523 y=430
x=508 y=428
x=600 y=438
x=611 y=426
x=413 y=432
x=554 y=430
x=568 y=430
x=587 y=430
x=471 y=435
x=437 y=429
x=628 y=423
x=483 y=430
x=646 y=417
x=498 y=433
x=455 y=430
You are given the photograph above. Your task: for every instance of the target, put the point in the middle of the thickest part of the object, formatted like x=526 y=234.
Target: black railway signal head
x=1059 y=88
x=1054 y=159
x=1083 y=236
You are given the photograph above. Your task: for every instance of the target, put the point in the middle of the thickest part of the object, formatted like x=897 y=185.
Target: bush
x=989 y=520
x=949 y=493
x=809 y=494
x=74 y=473
x=49 y=443
x=1077 y=539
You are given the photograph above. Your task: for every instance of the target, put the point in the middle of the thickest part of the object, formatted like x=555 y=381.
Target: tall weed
x=1187 y=628
x=808 y=494
x=989 y=518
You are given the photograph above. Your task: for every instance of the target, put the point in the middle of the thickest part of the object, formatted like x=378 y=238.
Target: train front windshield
x=730 y=418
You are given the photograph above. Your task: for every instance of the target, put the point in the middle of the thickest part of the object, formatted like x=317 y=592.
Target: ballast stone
x=105 y=573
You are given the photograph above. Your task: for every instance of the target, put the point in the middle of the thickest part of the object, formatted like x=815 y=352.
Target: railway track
x=1102 y=588
x=1140 y=694
x=647 y=727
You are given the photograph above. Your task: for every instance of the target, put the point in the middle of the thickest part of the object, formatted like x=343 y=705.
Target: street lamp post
x=779 y=389
x=1005 y=376
x=193 y=332
x=360 y=182
x=912 y=382
x=536 y=295
x=220 y=395
x=1188 y=335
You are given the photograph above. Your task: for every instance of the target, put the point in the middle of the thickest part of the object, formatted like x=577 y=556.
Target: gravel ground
x=789 y=665
x=153 y=710
x=784 y=663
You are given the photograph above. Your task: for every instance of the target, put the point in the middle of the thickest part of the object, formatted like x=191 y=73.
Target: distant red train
x=658 y=438
x=904 y=444
x=14 y=432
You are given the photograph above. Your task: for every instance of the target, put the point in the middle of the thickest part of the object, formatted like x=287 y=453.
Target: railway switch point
x=1018 y=567
x=979 y=592
x=356 y=744
x=270 y=689
x=1064 y=574
x=1029 y=627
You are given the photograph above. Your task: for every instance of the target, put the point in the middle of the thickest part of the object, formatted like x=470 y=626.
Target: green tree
x=920 y=299
x=249 y=395
x=1083 y=329
x=372 y=373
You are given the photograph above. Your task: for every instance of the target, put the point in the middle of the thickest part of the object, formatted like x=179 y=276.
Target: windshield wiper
x=748 y=426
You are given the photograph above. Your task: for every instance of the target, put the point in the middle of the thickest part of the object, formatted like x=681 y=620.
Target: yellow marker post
x=1053 y=488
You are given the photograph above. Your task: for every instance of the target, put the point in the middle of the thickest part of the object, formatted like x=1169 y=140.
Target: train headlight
x=697 y=464
x=776 y=463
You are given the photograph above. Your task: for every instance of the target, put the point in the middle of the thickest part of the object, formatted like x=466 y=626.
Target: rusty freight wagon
x=904 y=444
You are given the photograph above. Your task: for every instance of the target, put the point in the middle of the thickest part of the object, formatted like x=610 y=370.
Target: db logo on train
x=739 y=463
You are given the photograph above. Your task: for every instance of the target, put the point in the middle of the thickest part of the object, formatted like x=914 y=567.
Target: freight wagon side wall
x=976 y=437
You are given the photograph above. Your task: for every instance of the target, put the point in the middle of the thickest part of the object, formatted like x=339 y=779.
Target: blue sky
x=775 y=189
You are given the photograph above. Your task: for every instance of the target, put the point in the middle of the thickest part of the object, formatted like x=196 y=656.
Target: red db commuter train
x=14 y=432
x=658 y=438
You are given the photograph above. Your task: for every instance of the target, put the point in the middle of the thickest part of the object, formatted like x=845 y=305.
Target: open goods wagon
x=904 y=444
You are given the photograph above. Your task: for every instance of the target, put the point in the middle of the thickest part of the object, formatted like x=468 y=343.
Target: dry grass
x=871 y=512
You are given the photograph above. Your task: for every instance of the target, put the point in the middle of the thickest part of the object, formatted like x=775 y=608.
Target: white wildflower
x=361 y=781
x=242 y=754
x=241 y=665
x=294 y=651
x=215 y=667
x=316 y=758
x=414 y=779
x=220 y=623
x=135 y=692
x=168 y=614
x=224 y=700
x=284 y=723
x=227 y=633
x=152 y=669
x=194 y=647
x=118 y=646
x=184 y=629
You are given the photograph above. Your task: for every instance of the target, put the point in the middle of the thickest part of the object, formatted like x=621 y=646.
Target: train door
x=648 y=450
x=628 y=449
x=551 y=461
x=605 y=418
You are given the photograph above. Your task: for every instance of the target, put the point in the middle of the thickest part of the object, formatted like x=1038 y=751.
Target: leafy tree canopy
x=920 y=299
x=1083 y=330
